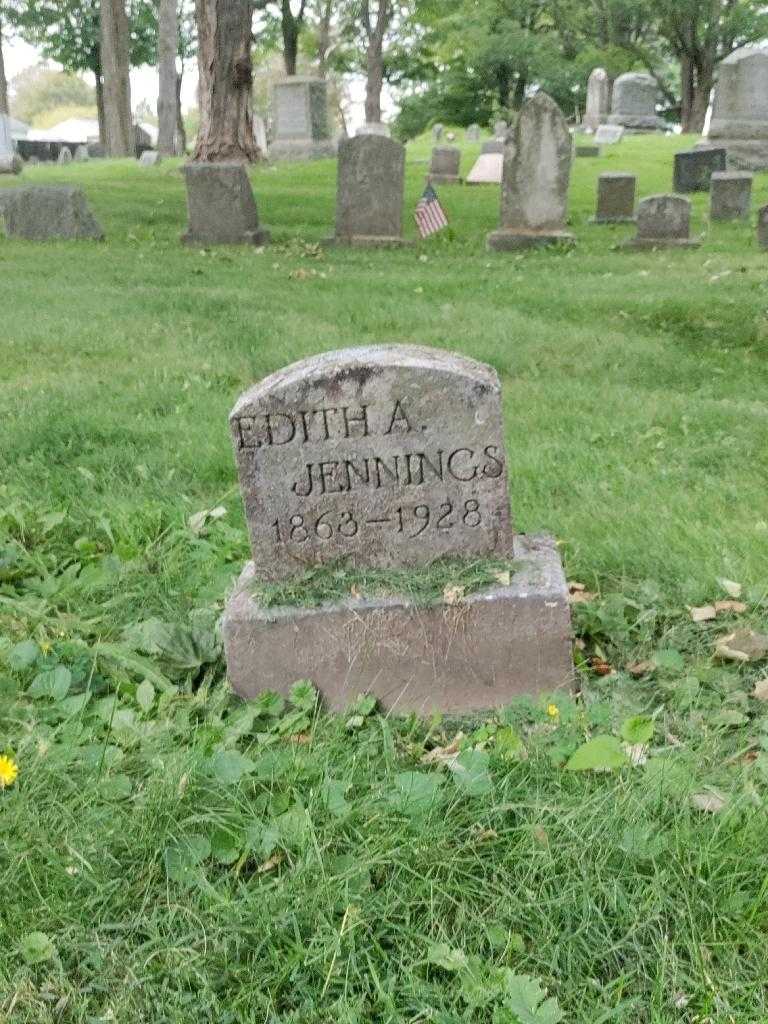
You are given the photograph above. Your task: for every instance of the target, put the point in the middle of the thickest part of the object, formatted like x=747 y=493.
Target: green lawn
x=189 y=859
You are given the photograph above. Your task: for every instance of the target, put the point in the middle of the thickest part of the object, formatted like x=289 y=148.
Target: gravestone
x=762 y=227
x=730 y=195
x=82 y=155
x=615 y=198
x=260 y=134
x=150 y=158
x=500 y=129
x=740 y=108
x=10 y=161
x=437 y=132
x=598 y=99
x=492 y=146
x=486 y=170
x=300 y=112
x=472 y=134
x=220 y=206
x=369 y=192
x=633 y=103
x=373 y=128
x=389 y=457
x=444 y=166
x=65 y=155
x=534 y=189
x=694 y=168
x=40 y=214
x=96 y=151
x=586 y=150
x=609 y=134
x=662 y=222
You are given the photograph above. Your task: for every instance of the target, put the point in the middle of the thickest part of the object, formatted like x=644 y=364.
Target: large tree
x=226 y=78
x=3 y=80
x=375 y=20
x=115 y=41
x=167 y=101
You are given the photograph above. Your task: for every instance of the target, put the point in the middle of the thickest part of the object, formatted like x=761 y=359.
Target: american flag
x=429 y=214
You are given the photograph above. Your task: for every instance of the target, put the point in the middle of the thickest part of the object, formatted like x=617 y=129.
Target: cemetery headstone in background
x=486 y=170
x=300 y=114
x=437 y=132
x=82 y=155
x=472 y=134
x=389 y=457
x=586 y=151
x=373 y=128
x=633 y=102
x=369 y=192
x=260 y=134
x=730 y=195
x=444 y=166
x=762 y=227
x=492 y=146
x=740 y=108
x=220 y=206
x=598 y=99
x=65 y=155
x=615 y=198
x=537 y=168
x=40 y=214
x=695 y=167
x=10 y=161
x=150 y=158
x=500 y=129
x=609 y=134
x=663 y=222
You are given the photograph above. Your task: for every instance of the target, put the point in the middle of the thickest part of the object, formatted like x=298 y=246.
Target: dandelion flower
x=45 y=647
x=553 y=710
x=8 y=771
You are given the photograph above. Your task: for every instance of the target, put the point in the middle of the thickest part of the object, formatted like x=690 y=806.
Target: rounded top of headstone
x=664 y=199
x=598 y=75
x=747 y=53
x=732 y=176
x=637 y=77
x=363 y=364
x=368 y=142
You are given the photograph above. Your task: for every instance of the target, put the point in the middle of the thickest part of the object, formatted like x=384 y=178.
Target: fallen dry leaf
x=600 y=666
x=673 y=741
x=453 y=594
x=503 y=577
x=573 y=586
x=486 y=834
x=743 y=645
x=710 y=801
x=300 y=737
x=444 y=755
x=760 y=691
x=640 y=668
x=703 y=613
x=581 y=596
x=737 y=607
x=269 y=865
x=637 y=753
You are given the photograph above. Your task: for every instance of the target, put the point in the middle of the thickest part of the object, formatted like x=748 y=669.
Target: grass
x=187 y=858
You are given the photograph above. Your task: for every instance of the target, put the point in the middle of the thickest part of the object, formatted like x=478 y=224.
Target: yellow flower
x=45 y=647
x=553 y=710
x=8 y=771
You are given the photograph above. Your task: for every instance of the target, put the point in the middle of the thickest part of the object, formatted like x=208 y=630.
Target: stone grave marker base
x=660 y=243
x=262 y=236
x=367 y=241
x=444 y=179
x=457 y=659
x=612 y=220
x=301 y=149
x=510 y=239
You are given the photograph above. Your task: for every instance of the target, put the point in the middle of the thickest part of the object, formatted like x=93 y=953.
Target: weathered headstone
x=40 y=214
x=609 y=134
x=740 y=108
x=730 y=195
x=374 y=128
x=260 y=134
x=10 y=161
x=65 y=155
x=633 y=103
x=389 y=457
x=221 y=207
x=437 y=132
x=486 y=170
x=598 y=99
x=150 y=158
x=472 y=134
x=444 y=166
x=96 y=151
x=82 y=155
x=492 y=146
x=500 y=129
x=615 y=198
x=537 y=169
x=369 y=192
x=586 y=151
x=762 y=227
x=662 y=222
x=300 y=112
x=695 y=167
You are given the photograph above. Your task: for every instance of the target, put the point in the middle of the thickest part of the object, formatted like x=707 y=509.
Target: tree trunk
x=3 y=81
x=324 y=39
x=519 y=94
x=695 y=95
x=226 y=78
x=290 y=28
x=181 y=131
x=115 y=41
x=167 y=43
x=100 y=108
x=374 y=82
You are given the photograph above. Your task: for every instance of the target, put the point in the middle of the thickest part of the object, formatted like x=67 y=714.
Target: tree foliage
x=39 y=89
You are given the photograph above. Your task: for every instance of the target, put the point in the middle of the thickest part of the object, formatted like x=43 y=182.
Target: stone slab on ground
x=586 y=151
x=150 y=158
x=40 y=214
x=730 y=195
x=458 y=658
x=486 y=170
x=609 y=134
x=663 y=222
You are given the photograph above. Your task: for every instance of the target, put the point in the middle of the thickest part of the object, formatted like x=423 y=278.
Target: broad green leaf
x=637 y=729
x=642 y=843
x=442 y=955
x=333 y=793
x=303 y=695
x=229 y=766
x=115 y=787
x=669 y=661
x=269 y=704
x=36 y=948
x=183 y=858
x=603 y=753
x=526 y=999
x=470 y=772
x=54 y=683
x=225 y=846
x=145 y=695
x=508 y=744
x=73 y=705
x=23 y=655
x=416 y=792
